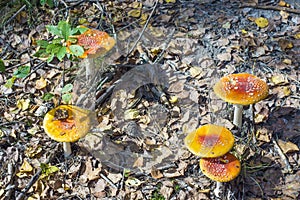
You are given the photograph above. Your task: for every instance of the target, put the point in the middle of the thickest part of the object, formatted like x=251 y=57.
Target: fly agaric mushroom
x=67 y=123
x=209 y=141
x=94 y=42
x=241 y=89
x=221 y=169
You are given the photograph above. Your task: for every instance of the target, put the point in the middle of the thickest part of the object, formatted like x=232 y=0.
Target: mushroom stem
x=218 y=189
x=238 y=114
x=67 y=149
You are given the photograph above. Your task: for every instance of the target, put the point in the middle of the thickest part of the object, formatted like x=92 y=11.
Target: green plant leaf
x=42 y=43
x=76 y=50
x=47 y=96
x=50 y=58
x=10 y=82
x=54 y=30
x=53 y=48
x=61 y=53
x=66 y=97
x=47 y=170
x=65 y=29
x=80 y=29
x=57 y=41
x=22 y=72
x=2 y=66
x=67 y=88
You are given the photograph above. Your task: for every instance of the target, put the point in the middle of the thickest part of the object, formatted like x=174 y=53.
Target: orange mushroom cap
x=243 y=89
x=209 y=141
x=67 y=123
x=95 y=42
x=221 y=169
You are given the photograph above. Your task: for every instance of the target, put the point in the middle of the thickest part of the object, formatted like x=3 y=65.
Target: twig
x=144 y=28
x=108 y=181
x=165 y=46
x=291 y=10
x=12 y=17
x=10 y=174
x=282 y=156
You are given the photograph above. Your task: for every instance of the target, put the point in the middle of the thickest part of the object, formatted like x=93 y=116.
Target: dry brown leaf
x=224 y=56
x=40 y=84
x=155 y=173
x=288 y=147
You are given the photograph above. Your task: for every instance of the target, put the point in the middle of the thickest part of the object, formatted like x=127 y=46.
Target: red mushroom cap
x=243 y=89
x=221 y=169
x=209 y=141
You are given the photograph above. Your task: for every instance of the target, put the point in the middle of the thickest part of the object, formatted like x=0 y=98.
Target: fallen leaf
x=134 y=13
x=261 y=22
x=285 y=44
x=155 y=173
x=224 y=56
x=40 y=84
x=288 y=147
x=25 y=169
x=133 y=182
x=284 y=14
x=23 y=104
x=278 y=79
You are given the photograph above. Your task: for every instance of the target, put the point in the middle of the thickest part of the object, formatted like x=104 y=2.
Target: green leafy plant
x=66 y=93
x=21 y=72
x=62 y=44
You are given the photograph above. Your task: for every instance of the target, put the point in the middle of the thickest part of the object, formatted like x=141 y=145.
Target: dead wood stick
x=278 y=8
x=282 y=156
x=14 y=15
x=144 y=28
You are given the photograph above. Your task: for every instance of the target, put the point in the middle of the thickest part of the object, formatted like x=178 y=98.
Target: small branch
x=144 y=28
x=277 y=8
x=12 y=17
x=282 y=156
x=108 y=181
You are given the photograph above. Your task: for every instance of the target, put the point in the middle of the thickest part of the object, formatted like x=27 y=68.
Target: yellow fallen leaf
x=283 y=4
x=40 y=84
x=23 y=104
x=261 y=22
x=297 y=36
x=24 y=169
x=244 y=32
x=173 y=99
x=134 y=13
x=285 y=44
x=287 y=61
x=170 y=1
x=284 y=14
x=278 y=79
x=286 y=91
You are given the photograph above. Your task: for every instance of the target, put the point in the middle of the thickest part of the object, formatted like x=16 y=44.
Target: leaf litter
x=211 y=39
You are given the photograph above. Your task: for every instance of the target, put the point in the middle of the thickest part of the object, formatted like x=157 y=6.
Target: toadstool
x=221 y=169
x=67 y=123
x=94 y=42
x=209 y=141
x=241 y=89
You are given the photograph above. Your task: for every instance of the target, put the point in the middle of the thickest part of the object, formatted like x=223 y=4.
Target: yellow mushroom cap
x=222 y=169
x=69 y=128
x=243 y=89
x=209 y=141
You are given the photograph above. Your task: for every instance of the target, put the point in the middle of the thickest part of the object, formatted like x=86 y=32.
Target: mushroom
x=241 y=89
x=221 y=169
x=67 y=123
x=94 y=42
x=209 y=141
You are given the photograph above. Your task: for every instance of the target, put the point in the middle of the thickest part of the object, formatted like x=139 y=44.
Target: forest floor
x=153 y=88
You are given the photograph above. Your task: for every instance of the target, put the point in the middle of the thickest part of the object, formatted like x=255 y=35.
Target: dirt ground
x=147 y=94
